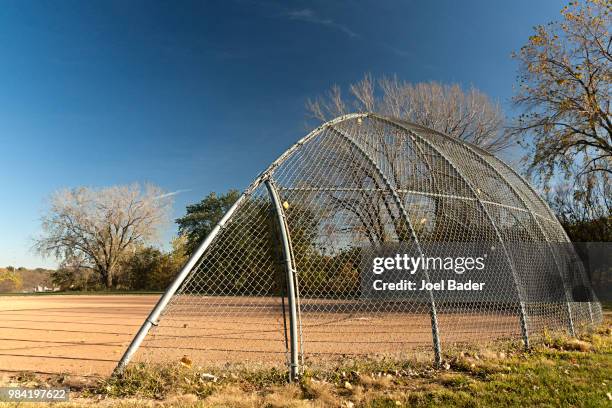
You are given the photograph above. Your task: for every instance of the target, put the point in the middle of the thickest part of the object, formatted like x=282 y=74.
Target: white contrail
x=173 y=193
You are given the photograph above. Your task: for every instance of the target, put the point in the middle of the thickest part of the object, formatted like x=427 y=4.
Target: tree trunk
x=109 y=279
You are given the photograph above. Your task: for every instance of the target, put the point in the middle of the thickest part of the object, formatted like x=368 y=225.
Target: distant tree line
x=23 y=279
x=10 y=280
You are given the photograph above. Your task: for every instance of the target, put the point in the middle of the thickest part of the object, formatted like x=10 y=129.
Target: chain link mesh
x=354 y=184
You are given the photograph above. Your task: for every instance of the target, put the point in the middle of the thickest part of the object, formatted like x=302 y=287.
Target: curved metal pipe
x=398 y=201
x=522 y=313
x=162 y=303
x=290 y=274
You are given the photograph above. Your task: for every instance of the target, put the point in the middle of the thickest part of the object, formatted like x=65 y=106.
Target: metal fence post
x=291 y=292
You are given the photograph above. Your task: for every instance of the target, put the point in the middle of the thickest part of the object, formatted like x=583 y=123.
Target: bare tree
x=467 y=115
x=565 y=82
x=99 y=227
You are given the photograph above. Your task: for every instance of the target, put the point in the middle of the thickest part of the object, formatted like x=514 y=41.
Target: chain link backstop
x=278 y=281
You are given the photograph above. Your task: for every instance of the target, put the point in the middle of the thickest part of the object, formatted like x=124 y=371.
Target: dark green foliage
x=241 y=260
x=202 y=217
x=596 y=230
x=75 y=278
x=246 y=257
x=151 y=269
x=137 y=269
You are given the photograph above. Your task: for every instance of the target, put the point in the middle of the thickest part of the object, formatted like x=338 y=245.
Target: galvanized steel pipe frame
x=479 y=152
x=522 y=312
x=156 y=313
x=290 y=275
x=162 y=303
x=398 y=202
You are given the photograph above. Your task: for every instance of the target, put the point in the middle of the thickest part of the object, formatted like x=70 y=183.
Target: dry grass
x=559 y=371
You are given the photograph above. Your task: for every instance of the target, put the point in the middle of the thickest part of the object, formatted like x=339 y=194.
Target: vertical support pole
x=291 y=292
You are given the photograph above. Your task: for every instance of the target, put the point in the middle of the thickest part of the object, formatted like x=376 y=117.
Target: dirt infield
x=84 y=335
x=213 y=331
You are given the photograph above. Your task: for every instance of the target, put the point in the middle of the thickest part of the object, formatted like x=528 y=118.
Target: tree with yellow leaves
x=565 y=82
x=11 y=278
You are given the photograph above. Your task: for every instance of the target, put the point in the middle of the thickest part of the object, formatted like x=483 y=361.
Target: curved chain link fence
x=281 y=280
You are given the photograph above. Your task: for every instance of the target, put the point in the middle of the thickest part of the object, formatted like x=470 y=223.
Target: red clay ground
x=83 y=335
x=86 y=335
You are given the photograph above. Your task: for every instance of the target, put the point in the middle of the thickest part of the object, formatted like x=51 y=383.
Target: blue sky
x=203 y=95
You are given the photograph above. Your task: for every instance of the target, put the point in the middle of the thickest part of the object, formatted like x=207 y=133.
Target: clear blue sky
x=203 y=95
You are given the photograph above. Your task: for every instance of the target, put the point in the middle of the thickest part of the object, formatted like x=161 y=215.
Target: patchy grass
x=559 y=371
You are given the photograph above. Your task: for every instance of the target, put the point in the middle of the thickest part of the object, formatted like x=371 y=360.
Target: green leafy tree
x=245 y=258
x=242 y=260
x=202 y=217
x=75 y=277
x=136 y=269
x=152 y=269
x=169 y=265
